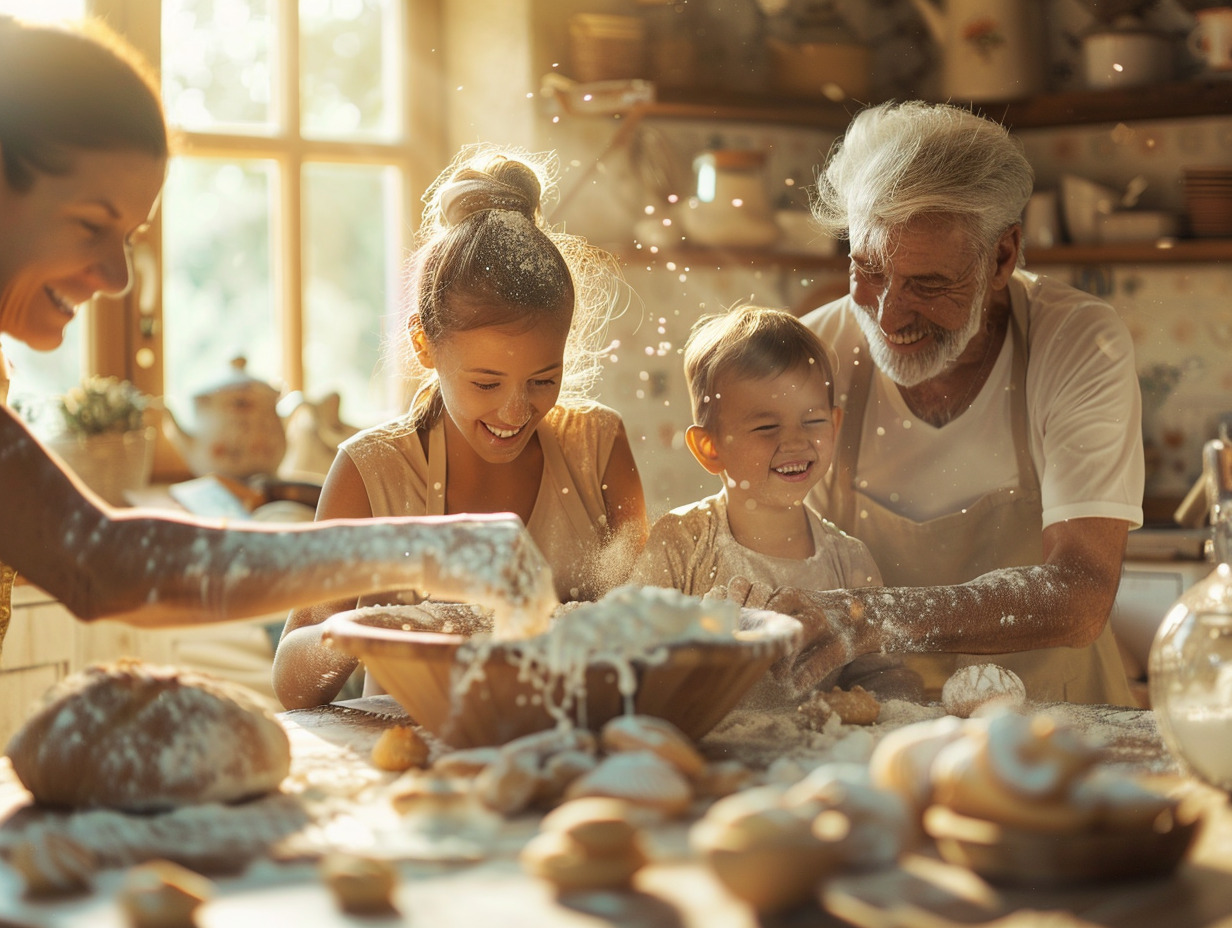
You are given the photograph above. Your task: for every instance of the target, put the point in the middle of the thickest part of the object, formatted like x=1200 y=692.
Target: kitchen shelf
x=1174 y=251
x=1179 y=251
x=1173 y=100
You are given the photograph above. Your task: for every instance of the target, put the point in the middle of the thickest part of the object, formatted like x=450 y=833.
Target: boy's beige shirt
x=692 y=549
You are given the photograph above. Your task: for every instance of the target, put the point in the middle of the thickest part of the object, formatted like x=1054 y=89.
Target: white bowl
x=1137 y=225
x=1083 y=202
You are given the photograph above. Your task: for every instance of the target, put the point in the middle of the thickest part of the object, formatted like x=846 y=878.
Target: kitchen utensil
x=1137 y=225
x=1083 y=201
x=607 y=47
x=413 y=653
x=731 y=205
x=1126 y=54
x=1041 y=224
x=834 y=71
x=1211 y=39
x=991 y=49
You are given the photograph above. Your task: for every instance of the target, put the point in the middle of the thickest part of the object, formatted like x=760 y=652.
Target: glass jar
x=1190 y=665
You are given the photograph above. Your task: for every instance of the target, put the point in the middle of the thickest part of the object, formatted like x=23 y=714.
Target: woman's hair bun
x=503 y=184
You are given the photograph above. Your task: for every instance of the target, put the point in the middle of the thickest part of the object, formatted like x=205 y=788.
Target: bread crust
x=145 y=738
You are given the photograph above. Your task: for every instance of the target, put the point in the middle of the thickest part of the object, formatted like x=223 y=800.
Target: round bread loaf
x=145 y=738
x=977 y=686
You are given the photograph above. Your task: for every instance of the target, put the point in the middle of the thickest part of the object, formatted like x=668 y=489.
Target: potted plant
x=103 y=437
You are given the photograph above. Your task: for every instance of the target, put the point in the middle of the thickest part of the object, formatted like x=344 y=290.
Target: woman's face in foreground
x=67 y=238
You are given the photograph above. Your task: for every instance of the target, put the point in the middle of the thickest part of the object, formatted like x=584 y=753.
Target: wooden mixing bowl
x=412 y=655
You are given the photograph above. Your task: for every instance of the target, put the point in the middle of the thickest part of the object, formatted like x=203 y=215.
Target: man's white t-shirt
x=1083 y=408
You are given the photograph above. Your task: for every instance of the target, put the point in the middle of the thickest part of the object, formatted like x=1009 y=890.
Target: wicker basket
x=606 y=47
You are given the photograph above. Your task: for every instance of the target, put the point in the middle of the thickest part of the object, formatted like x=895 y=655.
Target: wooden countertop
x=332 y=779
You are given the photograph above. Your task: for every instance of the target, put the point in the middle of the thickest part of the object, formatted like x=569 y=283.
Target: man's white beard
x=910 y=370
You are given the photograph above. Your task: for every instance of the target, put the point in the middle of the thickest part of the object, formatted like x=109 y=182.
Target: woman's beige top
x=569 y=513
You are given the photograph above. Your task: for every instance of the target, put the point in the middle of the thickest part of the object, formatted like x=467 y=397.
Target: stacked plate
x=1208 y=201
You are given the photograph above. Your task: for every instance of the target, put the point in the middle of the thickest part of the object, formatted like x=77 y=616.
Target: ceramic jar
x=731 y=205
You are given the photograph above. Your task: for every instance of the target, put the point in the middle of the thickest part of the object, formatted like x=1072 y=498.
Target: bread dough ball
x=143 y=738
x=400 y=748
x=162 y=894
x=361 y=885
x=586 y=844
x=642 y=778
x=975 y=686
x=649 y=733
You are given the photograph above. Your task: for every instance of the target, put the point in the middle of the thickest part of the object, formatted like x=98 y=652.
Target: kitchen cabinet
x=1169 y=101
x=45 y=643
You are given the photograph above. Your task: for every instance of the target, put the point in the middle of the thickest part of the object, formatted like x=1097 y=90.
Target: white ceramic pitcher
x=991 y=49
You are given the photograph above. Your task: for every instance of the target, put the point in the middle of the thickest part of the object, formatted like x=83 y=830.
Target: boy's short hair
x=747 y=341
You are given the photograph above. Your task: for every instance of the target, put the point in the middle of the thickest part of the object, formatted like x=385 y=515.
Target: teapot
x=239 y=432
x=991 y=49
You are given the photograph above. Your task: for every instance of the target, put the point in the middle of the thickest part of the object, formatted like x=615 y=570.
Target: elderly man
x=991 y=452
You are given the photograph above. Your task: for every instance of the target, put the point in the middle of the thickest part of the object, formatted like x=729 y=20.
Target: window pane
x=40 y=376
x=351 y=248
x=218 y=284
x=219 y=64
x=350 y=80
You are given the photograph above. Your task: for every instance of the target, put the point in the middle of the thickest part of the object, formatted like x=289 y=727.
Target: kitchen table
x=329 y=800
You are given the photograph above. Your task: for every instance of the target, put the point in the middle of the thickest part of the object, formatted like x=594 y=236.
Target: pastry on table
x=586 y=844
x=763 y=851
x=856 y=706
x=641 y=778
x=361 y=885
x=162 y=894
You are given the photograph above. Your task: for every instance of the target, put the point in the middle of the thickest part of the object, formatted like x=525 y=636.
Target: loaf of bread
x=143 y=738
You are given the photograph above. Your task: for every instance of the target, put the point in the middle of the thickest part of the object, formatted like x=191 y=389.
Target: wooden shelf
x=1174 y=100
x=1181 y=251
x=1176 y=251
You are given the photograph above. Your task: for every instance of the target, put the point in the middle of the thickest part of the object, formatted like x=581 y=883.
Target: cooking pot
x=1126 y=55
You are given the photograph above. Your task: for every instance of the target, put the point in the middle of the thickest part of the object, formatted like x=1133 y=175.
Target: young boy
x=762 y=391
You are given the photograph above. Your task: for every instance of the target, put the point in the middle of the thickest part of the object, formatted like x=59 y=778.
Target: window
x=288 y=203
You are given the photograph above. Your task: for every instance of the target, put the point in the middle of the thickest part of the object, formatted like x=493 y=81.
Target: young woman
x=505 y=318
